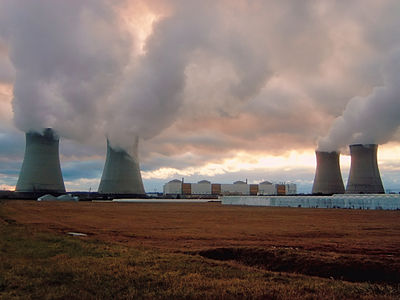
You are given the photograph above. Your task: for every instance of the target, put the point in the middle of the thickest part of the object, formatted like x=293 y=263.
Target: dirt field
x=352 y=245
x=201 y=226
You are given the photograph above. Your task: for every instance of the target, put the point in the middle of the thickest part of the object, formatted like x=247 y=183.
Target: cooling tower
x=364 y=175
x=328 y=179
x=121 y=174
x=41 y=171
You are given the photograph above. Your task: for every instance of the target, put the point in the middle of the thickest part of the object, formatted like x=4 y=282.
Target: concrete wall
x=291 y=189
x=173 y=188
x=364 y=174
x=121 y=173
x=186 y=188
x=372 y=201
x=201 y=188
x=235 y=189
x=266 y=189
x=41 y=171
x=328 y=178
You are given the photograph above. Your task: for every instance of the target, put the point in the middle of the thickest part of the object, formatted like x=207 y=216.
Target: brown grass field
x=201 y=250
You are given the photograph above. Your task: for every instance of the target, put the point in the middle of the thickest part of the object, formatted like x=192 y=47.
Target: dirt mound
x=355 y=268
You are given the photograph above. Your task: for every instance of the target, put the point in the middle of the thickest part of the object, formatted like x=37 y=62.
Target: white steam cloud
x=153 y=93
x=369 y=120
x=76 y=71
x=68 y=57
x=270 y=70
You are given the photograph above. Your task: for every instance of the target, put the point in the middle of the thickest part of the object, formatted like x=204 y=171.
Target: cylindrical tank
x=364 y=177
x=328 y=179
x=121 y=173
x=41 y=171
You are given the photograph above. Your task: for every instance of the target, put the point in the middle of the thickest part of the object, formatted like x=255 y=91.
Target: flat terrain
x=209 y=250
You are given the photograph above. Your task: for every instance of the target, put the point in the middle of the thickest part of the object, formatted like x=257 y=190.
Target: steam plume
x=153 y=92
x=369 y=120
x=68 y=56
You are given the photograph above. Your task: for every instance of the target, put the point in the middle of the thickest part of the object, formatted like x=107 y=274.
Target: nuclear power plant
x=328 y=179
x=41 y=171
x=121 y=173
x=364 y=177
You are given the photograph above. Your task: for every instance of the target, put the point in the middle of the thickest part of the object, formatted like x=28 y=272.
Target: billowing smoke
x=369 y=120
x=68 y=57
x=270 y=70
x=154 y=90
x=76 y=71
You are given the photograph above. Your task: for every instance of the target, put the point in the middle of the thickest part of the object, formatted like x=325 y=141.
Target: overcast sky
x=216 y=90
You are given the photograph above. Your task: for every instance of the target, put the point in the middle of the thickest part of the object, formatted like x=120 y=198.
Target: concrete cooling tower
x=328 y=179
x=364 y=175
x=121 y=174
x=41 y=171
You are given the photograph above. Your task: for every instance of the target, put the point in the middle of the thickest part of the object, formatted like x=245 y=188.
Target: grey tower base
x=364 y=177
x=328 y=179
x=121 y=174
x=41 y=171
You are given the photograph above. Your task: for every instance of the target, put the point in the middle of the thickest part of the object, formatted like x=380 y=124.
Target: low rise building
x=203 y=187
x=291 y=189
x=173 y=187
x=239 y=188
x=266 y=188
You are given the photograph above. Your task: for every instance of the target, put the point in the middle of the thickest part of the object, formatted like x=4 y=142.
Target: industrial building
x=328 y=178
x=177 y=187
x=364 y=177
x=41 y=171
x=174 y=187
x=121 y=173
x=367 y=201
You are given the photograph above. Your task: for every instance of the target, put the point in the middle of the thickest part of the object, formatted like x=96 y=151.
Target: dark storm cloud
x=82 y=169
x=72 y=150
x=9 y=168
x=12 y=144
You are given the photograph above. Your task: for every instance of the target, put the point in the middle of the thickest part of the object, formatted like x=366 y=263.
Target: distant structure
x=177 y=187
x=174 y=187
x=328 y=179
x=237 y=188
x=364 y=177
x=367 y=201
x=121 y=173
x=267 y=188
x=41 y=171
x=203 y=187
